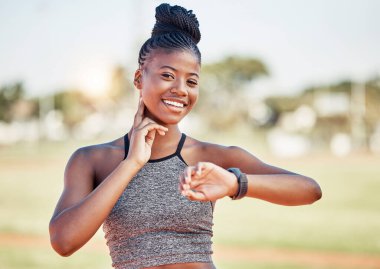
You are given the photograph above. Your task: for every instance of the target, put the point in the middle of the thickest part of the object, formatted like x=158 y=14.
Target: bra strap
x=178 y=151
x=180 y=144
x=126 y=146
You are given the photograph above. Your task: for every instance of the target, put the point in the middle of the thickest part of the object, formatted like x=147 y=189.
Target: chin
x=172 y=120
x=169 y=121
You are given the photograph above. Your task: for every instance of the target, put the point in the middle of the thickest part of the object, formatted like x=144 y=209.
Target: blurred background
x=296 y=83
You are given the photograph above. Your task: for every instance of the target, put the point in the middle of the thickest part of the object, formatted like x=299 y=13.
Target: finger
x=182 y=183
x=189 y=171
x=195 y=196
x=139 y=116
x=183 y=189
x=185 y=178
x=149 y=126
x=147 y=121
x=195 y=183
x=182 y=177
x=198 y=169
x=149 y=138
x=160 y=132
x=141 y=108
x=201 y=170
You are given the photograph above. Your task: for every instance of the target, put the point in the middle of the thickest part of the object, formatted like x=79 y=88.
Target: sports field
x=340 y=231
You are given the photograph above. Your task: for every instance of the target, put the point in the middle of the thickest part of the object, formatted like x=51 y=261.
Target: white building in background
x=332 y=104
x=52 y=126
x=303 y=119
x=17 y=131
x=341 y=144
x=285 y=144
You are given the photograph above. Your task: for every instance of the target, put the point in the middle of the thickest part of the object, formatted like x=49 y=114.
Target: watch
x=242 y=182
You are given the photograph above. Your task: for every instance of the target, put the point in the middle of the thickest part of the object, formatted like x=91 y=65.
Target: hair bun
x=176 y=19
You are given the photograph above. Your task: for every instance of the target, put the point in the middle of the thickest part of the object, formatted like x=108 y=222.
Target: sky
x=53 y=45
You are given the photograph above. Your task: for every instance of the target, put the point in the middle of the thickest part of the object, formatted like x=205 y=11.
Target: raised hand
x=207 y=182
x=143 y=133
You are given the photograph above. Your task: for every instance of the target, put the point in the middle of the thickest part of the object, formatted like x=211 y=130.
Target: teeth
x=173 y=103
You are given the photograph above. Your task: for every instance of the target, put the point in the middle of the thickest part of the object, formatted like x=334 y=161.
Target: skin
x=97 y=175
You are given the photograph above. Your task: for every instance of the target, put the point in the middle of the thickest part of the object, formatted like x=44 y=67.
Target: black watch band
x=242 y=182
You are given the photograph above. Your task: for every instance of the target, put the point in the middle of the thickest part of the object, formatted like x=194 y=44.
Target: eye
x=192 y=82
x=167 y=76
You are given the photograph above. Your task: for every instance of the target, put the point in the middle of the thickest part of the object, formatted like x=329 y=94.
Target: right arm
x=81 y=210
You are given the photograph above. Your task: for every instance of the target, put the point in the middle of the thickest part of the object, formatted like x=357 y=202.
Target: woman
x=155 y=188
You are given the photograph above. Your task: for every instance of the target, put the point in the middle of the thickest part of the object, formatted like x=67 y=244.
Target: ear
x=138 y=79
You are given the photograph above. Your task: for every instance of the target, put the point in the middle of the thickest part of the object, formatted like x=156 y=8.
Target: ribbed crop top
x=153 y=224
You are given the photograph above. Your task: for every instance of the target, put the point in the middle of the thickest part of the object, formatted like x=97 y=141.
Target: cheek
x=146 y=97
x=194 y=95
x=151 y=100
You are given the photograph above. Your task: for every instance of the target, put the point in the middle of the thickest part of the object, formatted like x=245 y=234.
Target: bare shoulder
x=226 y=156
x=96 y=159
x=96 y=152
x=83 y=169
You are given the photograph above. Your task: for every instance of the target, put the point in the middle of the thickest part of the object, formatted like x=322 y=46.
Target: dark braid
x=176 y=29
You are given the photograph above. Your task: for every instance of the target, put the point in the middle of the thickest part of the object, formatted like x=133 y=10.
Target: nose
x=179 y=88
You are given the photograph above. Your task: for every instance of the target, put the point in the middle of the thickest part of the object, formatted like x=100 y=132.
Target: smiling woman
x=154 y=189
x=176 y=70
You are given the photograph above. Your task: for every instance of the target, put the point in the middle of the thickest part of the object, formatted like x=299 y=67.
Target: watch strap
x=242 y=183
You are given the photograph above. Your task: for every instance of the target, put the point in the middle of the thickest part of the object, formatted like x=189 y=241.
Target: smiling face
x=169 y=85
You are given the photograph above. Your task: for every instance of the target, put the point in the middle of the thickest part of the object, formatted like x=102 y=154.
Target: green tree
x=223 y=103
x=234 y=71
x=9 y=95
x=121 y=86
x=73 y=105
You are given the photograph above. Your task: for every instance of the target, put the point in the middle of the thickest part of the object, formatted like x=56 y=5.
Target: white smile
x=173 y=103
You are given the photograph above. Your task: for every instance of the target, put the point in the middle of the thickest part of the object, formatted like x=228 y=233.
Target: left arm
x=208 y=181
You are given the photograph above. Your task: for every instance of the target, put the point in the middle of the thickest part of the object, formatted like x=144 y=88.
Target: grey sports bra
x=153 y=224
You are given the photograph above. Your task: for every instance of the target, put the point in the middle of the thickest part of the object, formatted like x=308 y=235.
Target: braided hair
x=176 y=29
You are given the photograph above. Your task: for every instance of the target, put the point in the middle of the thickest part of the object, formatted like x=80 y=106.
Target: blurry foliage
x=9 y=95
x=233 y=71
x=223 y=102
x=327 y=126
x=74 y=105
x=14 y=105
x=283 y=104
x=372 y=115
x=121 y=86
x=222 y=84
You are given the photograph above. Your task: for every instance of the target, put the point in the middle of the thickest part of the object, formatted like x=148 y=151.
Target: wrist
x=133 y=164
x=234 y=186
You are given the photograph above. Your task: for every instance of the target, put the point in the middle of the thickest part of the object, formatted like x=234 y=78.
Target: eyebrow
x=175 y=70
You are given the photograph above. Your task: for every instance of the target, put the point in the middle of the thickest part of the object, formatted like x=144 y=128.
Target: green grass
x=347 y=218
x=38 y=258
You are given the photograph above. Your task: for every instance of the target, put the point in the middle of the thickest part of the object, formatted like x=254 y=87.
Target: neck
x=172 y=136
